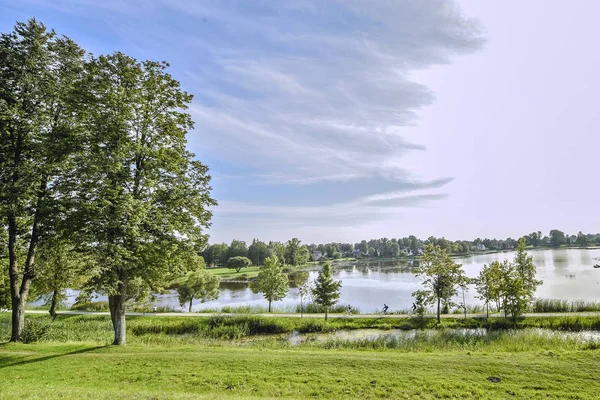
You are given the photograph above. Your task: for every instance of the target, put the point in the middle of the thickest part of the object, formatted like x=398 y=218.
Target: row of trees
x=510 y=286
x=96 y=182
x=292 y=252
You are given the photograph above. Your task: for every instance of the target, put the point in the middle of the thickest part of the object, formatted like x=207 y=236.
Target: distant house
x=480 y=247
x=356 y=253
x=415 y=253
x=317 y=255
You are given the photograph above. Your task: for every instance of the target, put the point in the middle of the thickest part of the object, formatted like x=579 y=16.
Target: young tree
x=238 y=263
x=60 y=268
x=488 y=284
x=142 y=201
x=271 y=281
x=441 y=275
x=326 y=291
x=518 y=284
x=200 y=285
x=38 y=135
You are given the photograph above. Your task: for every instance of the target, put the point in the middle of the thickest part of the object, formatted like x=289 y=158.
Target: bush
x=91 y=306
x=34 y=331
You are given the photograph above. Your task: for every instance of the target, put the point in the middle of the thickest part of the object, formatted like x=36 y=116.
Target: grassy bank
x=231 y=274
x=142 y=372
x=174 y=330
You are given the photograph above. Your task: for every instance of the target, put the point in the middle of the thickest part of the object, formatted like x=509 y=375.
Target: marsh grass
x=241 y=329
x=557 y=305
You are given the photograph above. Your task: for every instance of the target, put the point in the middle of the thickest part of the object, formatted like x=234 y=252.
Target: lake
x=567 y=274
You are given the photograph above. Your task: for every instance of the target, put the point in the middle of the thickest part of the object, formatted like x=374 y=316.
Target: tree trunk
x=19 y=293
x=326 y=310
x=18 y=319
x=269 y=305
x=487 y=310
x=191 y=300
x=116 y=303
x=438 y=310
x=53 y=304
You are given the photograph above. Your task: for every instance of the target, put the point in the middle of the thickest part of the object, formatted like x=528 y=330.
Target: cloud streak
x=304 y=97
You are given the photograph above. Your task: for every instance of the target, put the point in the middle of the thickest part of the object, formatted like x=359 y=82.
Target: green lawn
x=251 y=357
x=228 y=273
x=52 y=371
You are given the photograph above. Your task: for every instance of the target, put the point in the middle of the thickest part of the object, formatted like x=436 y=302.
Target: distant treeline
x=293 y=252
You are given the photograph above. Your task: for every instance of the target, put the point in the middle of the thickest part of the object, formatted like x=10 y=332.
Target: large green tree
x=38 y=136
x=440 y=274
x=326 y=291
x=142 y=200
x=258 y=252
x=271 y=281
x=557 y=238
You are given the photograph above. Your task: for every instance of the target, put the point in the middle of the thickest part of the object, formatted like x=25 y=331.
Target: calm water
x=567 y=274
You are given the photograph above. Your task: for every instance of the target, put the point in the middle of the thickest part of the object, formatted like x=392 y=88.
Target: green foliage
x=216 y=254
x=441 y=277
x=60 y=268
x=295 y=253
x=258 y=252
x=238 y=262
x=518 y=283
x=488 y=284
x=326 y=291
x=201 y=285
x=140 y=198
x=35 y=330
x=271 y=281
x=87 y=305
x=39 y=132
x=237 y=248
x=557 y=238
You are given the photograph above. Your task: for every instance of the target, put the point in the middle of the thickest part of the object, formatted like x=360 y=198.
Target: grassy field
x=79 y=371
x=251 y=357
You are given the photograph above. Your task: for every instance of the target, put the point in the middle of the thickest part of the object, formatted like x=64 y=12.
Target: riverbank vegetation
x=193 y=330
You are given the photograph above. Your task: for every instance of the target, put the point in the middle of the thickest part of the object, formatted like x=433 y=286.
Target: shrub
x=91 y=306
x=34 y=330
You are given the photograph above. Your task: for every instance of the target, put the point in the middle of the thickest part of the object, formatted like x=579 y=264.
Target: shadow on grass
x=45 y=358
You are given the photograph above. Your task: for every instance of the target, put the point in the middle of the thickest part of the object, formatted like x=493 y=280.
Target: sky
x=342 y=120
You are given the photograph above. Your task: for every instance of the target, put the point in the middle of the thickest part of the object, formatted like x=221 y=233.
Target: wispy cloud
x=308 y=93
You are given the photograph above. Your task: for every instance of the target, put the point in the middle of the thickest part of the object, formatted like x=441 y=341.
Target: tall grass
x=452 y=340
x=164 y=330
x=557 y=305
x=312 y=308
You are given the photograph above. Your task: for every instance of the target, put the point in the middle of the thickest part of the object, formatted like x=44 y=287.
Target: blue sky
x=343 y=120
